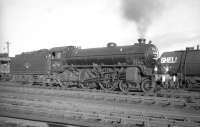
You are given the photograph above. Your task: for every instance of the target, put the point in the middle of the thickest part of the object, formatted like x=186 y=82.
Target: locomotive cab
x=57 y=57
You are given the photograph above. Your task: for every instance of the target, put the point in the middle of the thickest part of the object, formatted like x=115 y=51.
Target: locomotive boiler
x=180 y=68
x=112 y=67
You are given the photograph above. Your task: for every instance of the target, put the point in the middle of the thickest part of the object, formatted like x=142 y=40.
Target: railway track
x=96 y=116
x=168 y=93
x=91 y=108
x=11 y=121
x=182 y=101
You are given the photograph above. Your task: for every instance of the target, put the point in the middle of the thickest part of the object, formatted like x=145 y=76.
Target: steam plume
x=141 y=12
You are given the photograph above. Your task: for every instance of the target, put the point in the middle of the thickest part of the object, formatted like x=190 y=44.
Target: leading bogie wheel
x=147 y=86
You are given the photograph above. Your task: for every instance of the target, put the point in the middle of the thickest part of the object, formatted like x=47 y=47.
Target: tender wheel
x=47 y=82
x=84 y=78
x=188 y=84
x=84 y=85
x=88 y=85
x=147 y=86
x=59 y=83
x=52 y=82
x=124 y=86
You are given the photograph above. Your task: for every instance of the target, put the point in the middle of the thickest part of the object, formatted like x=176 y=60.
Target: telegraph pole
x=8 y=50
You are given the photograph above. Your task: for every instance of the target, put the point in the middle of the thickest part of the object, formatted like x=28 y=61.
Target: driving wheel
x=124 y=86
x=107 y=85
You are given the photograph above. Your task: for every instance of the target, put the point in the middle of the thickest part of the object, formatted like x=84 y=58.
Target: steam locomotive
x=126 y=68
x=179 y=69
x=113 y=67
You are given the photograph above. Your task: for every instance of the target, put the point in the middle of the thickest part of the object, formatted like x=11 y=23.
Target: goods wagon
x=180 y=67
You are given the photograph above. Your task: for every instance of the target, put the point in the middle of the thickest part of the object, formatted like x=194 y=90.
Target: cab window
x=56 y=55
x=53 y=55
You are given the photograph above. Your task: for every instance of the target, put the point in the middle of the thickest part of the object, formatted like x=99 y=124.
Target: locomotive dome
x=111 y=44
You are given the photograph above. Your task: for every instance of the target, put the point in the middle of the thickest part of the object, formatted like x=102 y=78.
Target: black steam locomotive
x=112 y=67
x=179 y=69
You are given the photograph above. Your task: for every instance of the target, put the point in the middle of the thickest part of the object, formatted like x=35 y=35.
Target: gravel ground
x=54 y=102
x=12 y=122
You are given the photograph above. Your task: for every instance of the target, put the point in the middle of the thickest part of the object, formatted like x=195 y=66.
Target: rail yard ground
x=89 y=108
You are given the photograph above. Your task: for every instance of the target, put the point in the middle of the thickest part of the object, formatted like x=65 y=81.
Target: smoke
x=142 y=12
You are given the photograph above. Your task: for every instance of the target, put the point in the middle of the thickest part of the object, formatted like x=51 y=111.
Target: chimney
x=141 y=40
x=150 y=42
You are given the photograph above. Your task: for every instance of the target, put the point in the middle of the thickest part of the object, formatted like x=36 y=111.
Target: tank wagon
x=4 y=66
x=112 y=67
x=179 y=68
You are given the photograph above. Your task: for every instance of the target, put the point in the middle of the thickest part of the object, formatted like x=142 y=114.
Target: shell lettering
x=169 y=59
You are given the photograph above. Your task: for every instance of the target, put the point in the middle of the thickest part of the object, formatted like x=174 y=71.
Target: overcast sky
x=37 y=24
